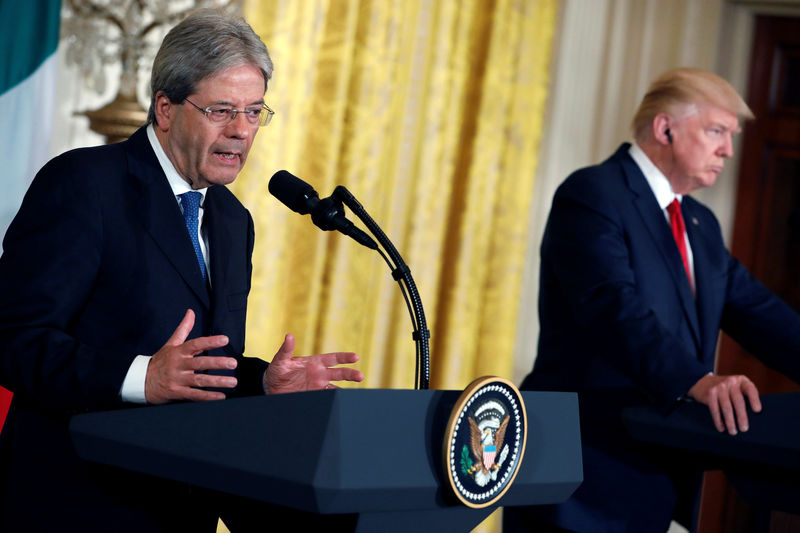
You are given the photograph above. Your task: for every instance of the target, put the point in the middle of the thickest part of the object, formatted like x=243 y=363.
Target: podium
x=763 y=463
x=373 y=453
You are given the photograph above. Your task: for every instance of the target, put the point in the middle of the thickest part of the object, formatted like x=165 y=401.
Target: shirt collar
x=658 y=182
x=176 y=182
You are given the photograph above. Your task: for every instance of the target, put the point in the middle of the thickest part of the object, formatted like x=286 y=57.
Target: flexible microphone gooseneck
x=402 y=274
x=328 y=214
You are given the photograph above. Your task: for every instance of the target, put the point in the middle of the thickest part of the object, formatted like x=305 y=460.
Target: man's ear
x=662 y=129
x=164 y=110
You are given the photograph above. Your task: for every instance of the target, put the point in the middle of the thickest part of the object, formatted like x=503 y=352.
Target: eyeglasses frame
x=207 y=111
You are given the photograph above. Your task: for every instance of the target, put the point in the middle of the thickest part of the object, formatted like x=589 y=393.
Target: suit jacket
x=621 y=326
x=98 y=267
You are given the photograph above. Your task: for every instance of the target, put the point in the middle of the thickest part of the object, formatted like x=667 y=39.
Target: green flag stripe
x=28 y=36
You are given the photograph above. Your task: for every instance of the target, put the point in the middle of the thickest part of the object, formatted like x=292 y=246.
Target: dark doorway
x=766 y=237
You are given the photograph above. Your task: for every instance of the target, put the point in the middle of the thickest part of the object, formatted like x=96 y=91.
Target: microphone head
x=293 y=192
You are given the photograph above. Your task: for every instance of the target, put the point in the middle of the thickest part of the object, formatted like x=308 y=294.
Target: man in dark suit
x=114 y=247
x=635 y=286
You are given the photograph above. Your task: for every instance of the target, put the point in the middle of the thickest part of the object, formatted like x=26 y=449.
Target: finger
x=344 y=374
x=751 y=391
x=212 y=381
x=198 y=395
x=740 y=408
x=182 y=392
x=208 y=362
x=336 y=358
x=726 y=407
x=286 y=349
x=182 y=331
x=713 y=406
x=202 y=344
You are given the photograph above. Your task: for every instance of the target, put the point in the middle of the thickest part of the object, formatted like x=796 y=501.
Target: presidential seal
x=485 y=441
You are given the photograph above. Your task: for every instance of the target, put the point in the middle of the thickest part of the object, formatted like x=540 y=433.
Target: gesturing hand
x=171 y=371
x=725 y=398
x=294 y=374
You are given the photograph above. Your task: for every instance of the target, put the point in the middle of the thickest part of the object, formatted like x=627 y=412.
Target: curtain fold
x=430 y=113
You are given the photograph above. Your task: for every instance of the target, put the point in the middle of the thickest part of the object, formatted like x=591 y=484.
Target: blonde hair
x=686 y=86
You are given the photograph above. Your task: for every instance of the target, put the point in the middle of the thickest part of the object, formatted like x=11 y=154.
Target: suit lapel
x=160 y=214
x=706 y=295
x=654 y=220
x=220 y=241
x=225 y=257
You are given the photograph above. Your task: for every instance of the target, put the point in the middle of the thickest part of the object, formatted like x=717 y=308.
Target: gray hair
x=205 y=43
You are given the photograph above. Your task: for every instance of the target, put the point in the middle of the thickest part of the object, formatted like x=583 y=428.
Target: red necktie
x=678 y=230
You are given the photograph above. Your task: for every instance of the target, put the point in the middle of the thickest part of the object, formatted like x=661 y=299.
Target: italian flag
x=28 y=40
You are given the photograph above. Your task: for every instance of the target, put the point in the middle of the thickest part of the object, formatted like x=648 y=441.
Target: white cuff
x=133 y=387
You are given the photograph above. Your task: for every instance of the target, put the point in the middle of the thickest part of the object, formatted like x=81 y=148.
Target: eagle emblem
x=487 y=433
x=485 y=441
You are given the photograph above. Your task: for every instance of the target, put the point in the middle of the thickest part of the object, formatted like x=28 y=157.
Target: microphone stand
x=402 y=274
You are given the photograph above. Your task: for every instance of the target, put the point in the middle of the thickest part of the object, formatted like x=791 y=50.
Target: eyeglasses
x=222 y=115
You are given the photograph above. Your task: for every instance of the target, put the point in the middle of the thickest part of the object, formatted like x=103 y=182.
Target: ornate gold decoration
x=103 y=32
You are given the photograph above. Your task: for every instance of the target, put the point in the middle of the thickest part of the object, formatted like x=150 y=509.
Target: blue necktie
x=190 y=201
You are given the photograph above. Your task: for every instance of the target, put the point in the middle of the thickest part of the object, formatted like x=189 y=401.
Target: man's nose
x=726 y=148
x=238 y=127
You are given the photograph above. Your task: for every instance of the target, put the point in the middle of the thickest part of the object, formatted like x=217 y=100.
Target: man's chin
x=222 y=178
x=710 y=180
x=704 y=181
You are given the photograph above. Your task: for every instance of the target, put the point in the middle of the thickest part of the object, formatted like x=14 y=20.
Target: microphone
x=327 y=214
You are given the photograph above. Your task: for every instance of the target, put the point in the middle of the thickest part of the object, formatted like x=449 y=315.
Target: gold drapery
x=430 y=112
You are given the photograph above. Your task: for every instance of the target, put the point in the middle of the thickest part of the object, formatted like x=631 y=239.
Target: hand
x=171 y=371
x=294 y=374
x=724 y=396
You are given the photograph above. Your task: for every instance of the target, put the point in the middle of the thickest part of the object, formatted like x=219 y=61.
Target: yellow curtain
x=430 y=113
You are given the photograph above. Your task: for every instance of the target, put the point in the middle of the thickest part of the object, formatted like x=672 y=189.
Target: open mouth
x=229 y=157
